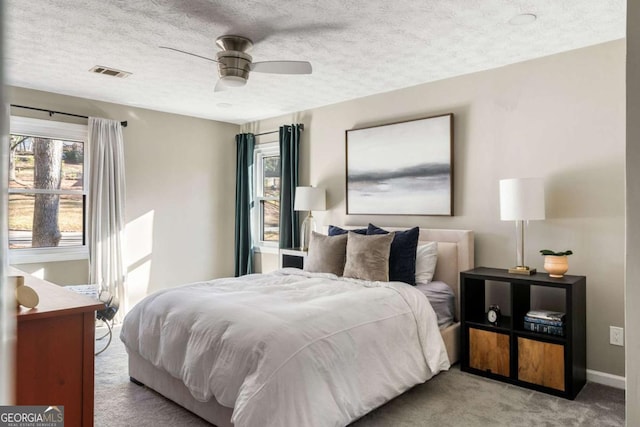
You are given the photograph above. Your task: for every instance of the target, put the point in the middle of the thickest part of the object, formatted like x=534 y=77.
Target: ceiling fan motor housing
x=237 y=43
x=234 y=64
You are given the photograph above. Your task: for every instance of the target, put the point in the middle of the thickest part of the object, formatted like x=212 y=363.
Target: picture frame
x=401 y=168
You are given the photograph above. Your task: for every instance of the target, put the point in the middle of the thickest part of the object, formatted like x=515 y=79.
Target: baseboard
x=603 y=378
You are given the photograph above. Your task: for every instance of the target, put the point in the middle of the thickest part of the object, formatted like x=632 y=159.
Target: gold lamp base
x=522 y=269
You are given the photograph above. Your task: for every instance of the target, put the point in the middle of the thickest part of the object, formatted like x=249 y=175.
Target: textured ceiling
x=357 y=48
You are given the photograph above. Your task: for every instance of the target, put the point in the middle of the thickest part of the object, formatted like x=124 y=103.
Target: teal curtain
x=289 y=159
x=245 y=144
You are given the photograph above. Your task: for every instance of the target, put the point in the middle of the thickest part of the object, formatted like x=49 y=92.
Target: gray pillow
x=442 y=299
x=368 y=256
x=326 y=254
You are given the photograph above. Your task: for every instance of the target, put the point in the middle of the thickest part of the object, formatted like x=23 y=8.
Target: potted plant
x=556 y=263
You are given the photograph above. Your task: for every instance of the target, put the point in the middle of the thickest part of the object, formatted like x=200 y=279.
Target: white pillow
x=426 y=260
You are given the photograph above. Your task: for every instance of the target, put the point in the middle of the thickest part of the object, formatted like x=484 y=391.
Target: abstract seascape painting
x=401 y=168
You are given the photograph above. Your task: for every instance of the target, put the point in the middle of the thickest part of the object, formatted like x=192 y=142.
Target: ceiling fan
x=234 y=63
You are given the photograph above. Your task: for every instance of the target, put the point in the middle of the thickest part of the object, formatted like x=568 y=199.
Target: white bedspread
x=290 y=348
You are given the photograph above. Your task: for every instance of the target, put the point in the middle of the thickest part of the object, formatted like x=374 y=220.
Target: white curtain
x=106 y=209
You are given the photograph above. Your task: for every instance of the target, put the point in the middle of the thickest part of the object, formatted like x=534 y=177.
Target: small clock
x=493 y=315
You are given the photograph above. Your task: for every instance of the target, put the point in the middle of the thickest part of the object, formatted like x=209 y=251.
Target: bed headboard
x=455 y=254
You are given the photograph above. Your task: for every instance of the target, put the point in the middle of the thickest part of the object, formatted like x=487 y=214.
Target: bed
x=345 y=346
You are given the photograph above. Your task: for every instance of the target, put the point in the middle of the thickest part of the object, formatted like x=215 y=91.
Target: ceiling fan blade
x=220 y=86
x=188 y=53
x=282 y=67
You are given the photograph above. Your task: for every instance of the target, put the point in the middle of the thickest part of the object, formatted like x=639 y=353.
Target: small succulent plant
x=549 y=252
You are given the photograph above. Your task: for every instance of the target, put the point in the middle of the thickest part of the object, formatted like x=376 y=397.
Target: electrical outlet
x=616 y=335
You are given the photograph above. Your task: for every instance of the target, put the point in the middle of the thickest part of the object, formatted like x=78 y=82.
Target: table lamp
x=308 y=199
x=521 y=199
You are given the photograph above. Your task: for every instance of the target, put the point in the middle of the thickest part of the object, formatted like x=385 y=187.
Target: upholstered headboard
x=455 y=254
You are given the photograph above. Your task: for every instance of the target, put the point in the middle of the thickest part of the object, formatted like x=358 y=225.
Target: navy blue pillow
x=336 y=231
x=402 y=259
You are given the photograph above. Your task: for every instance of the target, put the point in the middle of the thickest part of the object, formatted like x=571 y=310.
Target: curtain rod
x=301 y=125
x=51 y=113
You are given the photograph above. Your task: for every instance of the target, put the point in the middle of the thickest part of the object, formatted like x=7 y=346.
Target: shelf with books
x=544 y=329
x=546 y=316
x=551 y=363
x=538 y=321
x=545 y=322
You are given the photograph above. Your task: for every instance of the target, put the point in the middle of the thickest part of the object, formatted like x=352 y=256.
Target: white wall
x=180 y=191
x=632 y=296
x=560 y=117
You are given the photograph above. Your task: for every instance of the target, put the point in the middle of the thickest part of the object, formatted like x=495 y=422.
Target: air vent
x=110 y=71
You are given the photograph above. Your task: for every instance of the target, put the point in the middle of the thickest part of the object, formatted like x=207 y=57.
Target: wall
x=560 y=117
x=180 y=187
x=7 y=303
x=74 y=272
x=632 y=295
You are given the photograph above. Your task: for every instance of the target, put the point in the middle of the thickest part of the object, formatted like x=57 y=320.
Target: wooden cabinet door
x=489 y=351
x=49 y=364
x=541 y=363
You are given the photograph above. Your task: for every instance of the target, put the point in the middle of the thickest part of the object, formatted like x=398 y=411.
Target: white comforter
x=290 y=348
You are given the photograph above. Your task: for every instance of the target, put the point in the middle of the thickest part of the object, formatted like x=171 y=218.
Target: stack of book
x=544 y=321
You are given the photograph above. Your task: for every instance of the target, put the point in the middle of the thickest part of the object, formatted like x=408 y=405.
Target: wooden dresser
x=54 y=361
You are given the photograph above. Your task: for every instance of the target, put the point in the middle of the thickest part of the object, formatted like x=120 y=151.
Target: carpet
x=451 y=399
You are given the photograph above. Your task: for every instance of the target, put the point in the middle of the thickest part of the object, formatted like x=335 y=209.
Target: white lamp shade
x=521 y=199
x=310 y=199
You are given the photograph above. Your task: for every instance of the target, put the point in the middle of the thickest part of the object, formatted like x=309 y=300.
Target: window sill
x=33 y=256
x=266 y=249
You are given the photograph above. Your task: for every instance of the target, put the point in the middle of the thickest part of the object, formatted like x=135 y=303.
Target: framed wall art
x=403 y=168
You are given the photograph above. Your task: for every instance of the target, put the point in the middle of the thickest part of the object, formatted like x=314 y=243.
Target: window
x=266 y=209
x=47 y=190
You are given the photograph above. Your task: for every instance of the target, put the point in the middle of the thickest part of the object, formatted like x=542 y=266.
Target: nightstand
x=292 y=257
x=505 y=351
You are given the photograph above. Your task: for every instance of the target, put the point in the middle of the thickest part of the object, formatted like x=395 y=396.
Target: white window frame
x=261 y=151
x=68 y=132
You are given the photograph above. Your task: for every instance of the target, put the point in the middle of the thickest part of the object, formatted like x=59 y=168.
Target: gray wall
x=560 y=117
x=633 y=215
x=180 y=184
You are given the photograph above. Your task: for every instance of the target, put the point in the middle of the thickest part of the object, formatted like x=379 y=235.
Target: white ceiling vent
x=110 y=71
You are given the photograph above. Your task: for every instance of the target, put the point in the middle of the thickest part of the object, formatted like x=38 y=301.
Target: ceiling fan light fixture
x=233 y=81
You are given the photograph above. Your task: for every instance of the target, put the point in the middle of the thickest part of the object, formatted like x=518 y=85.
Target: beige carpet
x=452 y=398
